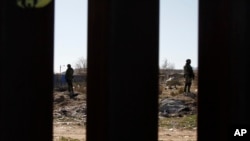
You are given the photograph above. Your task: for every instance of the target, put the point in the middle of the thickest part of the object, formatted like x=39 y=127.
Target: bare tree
x=165 y=64
x=168 y=68
x=81 y=65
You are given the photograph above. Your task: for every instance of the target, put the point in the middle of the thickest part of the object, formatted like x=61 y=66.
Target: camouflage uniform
x=188 y=75
x=69 y=78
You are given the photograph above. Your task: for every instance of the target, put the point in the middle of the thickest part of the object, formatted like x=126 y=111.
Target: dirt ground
x=78 y=132
x=69 y=116
x=70 y=119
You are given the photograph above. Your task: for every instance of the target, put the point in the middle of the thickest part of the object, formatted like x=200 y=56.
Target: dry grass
x=67 y=139
x=80 y=87
x=185 y=122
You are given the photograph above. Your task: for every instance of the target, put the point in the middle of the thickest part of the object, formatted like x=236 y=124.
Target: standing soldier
x=69 y=79
x=188 y=75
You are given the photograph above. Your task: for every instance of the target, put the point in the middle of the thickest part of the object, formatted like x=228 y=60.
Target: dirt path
x=176 y=135
x=68 y=130
x=72 y=131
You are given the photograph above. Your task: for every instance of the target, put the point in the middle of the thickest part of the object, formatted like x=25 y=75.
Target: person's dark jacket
x=188 y=71
x=69 y=74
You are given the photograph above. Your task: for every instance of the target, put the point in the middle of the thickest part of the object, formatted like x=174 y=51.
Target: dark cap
x=188 y=60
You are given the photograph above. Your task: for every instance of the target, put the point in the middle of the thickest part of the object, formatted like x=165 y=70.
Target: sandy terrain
x=78 y=132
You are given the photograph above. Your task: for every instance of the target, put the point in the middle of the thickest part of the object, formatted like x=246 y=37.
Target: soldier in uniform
x=69 y=79
x=188 y=75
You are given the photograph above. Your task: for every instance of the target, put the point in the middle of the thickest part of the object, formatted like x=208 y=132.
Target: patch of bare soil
x=176 y=135
x=69 y=131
